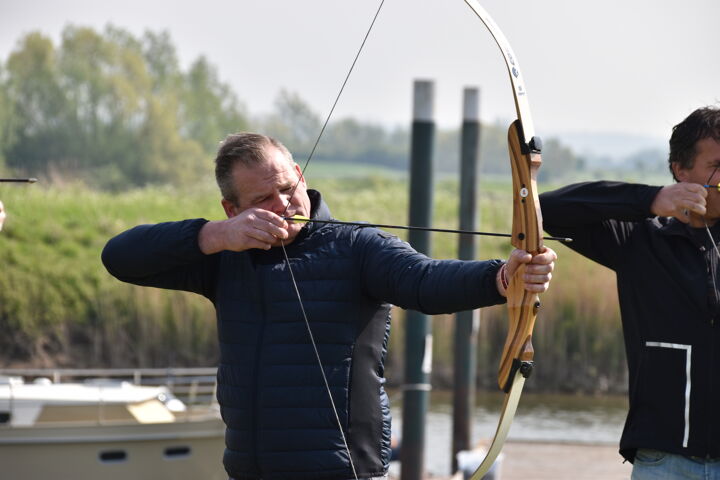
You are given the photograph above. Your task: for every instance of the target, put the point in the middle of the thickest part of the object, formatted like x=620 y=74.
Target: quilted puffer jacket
x=280 y=422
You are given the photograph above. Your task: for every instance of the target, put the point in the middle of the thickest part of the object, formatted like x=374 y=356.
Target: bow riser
x=518 y=350
x=525 y=160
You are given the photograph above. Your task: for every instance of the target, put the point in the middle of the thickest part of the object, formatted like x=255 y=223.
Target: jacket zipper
x=256 y=366
x=713 y=273
x=711 y=378
x=712 y=267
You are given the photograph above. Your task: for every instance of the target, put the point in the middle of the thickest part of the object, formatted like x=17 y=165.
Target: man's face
x=705 y=171
x=268 y=186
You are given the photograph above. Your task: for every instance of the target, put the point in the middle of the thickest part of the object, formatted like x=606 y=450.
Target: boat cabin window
x=177 y=452
x=113 y=456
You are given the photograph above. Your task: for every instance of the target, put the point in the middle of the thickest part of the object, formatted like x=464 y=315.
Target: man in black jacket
x=662 y=244
x=289 y=296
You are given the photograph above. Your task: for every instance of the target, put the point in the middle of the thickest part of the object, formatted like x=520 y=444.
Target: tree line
x=111 y=109
x=114 y=110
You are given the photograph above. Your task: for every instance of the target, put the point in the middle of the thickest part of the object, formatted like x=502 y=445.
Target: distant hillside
x=614 y=149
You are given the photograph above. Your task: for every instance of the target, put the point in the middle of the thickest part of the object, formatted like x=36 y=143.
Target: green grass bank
x=59 y=307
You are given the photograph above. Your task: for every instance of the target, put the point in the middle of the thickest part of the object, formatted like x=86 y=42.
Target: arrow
x=300 y=218
x=18 y=180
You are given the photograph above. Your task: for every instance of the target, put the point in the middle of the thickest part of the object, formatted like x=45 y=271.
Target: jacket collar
x=675 y=227
x=318 y=208
x=318 y=211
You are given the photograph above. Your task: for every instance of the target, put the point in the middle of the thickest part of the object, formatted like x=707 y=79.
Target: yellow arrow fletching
x=299 y=218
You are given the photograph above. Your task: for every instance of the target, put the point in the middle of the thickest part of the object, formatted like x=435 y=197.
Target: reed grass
x=59 y=307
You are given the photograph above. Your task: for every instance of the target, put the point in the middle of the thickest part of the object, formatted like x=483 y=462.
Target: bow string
x=287 y=259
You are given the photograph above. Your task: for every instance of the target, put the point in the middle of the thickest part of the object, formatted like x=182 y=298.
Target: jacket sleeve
x=599 y=216
x=165 y=255
x=392 y=271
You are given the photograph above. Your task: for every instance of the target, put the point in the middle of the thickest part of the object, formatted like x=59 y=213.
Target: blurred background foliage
x=115 y=111
x=120 y=134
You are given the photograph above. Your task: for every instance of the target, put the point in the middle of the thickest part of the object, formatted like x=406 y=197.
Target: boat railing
x=195 y=387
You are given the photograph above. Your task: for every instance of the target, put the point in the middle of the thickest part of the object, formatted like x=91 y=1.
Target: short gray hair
x=245 y=148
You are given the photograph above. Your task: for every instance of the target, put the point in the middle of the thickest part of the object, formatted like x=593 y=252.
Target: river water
x=551 y=418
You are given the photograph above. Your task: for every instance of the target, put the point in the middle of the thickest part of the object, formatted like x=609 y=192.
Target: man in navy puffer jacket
x=280 y=421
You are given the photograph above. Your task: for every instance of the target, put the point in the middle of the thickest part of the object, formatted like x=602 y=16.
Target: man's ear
x=299 y=172
x=679 y=173
x=229 y=208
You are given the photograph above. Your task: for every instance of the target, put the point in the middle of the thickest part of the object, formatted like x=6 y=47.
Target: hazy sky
x=631 y=66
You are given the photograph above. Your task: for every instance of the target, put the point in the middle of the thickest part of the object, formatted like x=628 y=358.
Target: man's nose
x=280 y=203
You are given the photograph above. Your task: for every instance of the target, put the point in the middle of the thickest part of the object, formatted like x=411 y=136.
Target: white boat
x=106 y=429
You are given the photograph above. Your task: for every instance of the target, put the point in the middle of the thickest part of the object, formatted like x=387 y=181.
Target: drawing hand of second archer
x=680 y=200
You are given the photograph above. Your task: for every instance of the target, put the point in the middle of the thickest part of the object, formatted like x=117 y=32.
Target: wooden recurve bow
x=516 y=363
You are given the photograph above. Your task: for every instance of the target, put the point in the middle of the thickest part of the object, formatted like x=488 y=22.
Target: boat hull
x=179 y=450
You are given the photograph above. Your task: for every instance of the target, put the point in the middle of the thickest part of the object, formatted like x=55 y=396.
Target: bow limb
x=517 y=358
